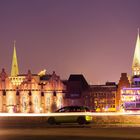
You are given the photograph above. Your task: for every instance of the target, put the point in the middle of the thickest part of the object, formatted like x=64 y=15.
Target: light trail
x=68 y=114
x=44 y=114
x=115 y=113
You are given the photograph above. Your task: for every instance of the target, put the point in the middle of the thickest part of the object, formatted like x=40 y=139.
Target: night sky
x=95 y=38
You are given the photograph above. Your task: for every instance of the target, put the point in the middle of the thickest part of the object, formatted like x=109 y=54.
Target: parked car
x=71 y=114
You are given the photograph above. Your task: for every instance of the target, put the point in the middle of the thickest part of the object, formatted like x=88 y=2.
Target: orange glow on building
x=27 y=95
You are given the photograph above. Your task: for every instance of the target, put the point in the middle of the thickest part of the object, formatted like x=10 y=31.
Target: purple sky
x=93 y=37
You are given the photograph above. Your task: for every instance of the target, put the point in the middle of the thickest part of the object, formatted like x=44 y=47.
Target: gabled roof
x=79 y=78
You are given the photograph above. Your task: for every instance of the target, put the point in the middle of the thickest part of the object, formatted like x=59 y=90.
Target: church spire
x=136 y=59
x=14 y=69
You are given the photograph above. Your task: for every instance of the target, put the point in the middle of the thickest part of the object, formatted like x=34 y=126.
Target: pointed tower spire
x=14 y=69
x=136 y=59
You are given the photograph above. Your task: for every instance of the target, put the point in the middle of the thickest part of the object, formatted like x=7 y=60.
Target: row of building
x=43 y=92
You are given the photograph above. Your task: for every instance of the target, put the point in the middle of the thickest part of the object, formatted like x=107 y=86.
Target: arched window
x=24 y=104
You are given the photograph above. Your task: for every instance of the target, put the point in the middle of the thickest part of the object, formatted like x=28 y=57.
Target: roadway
x=22 y=128
x=68 y=132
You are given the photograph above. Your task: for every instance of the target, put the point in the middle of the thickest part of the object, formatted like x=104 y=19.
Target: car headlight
x=88 y=118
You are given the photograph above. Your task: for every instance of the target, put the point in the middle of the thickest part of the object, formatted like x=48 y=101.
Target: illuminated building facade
x=30 y=93
x=130 y=98
x=31 y=96
x=104 y=97
x=123 y=83
x=130 y=92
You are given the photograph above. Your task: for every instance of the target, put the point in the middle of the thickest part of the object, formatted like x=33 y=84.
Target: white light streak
x=67 y=114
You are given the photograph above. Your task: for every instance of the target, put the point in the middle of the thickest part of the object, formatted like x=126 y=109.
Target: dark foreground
x=38 y=129
x=60 y=138
x=69 y=133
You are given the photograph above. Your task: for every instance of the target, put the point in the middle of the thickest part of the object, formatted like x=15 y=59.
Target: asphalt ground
x=26 y=129
x=70 y=133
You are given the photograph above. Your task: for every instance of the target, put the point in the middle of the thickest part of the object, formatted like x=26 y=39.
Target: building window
x=54 y=93
x=48 y=101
